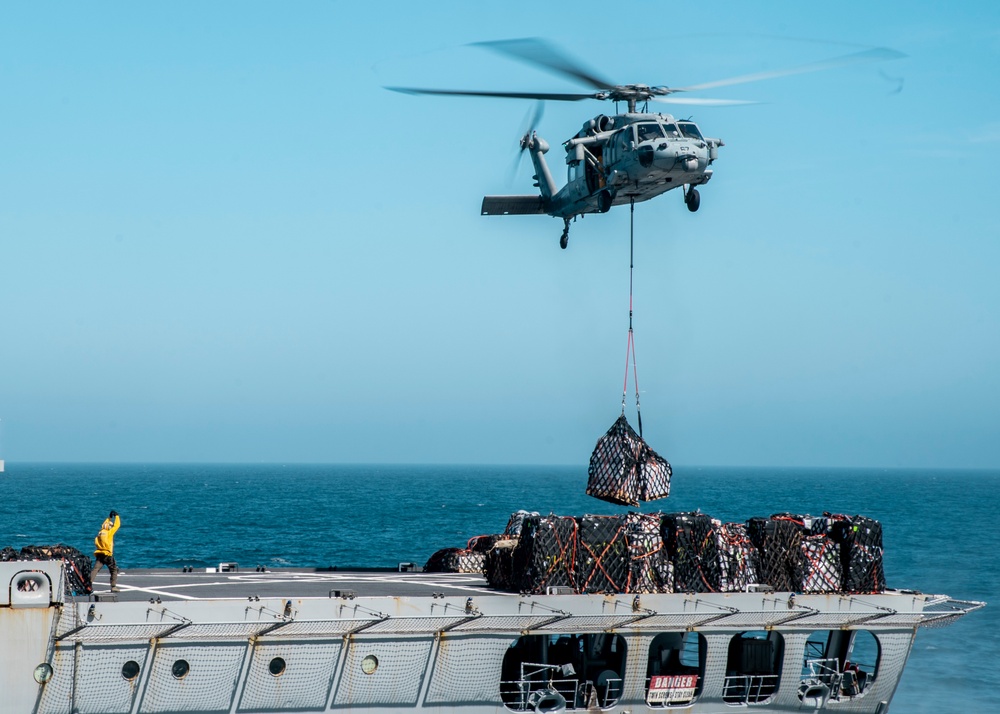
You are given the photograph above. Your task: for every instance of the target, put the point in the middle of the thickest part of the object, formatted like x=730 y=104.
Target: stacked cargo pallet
x=689 y=552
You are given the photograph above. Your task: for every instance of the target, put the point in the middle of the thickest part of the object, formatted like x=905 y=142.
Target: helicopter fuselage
x=616 y=160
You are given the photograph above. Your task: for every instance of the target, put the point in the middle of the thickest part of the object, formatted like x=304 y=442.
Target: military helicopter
x=625 y=158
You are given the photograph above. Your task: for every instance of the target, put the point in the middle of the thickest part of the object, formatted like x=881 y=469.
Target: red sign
x=672 y=689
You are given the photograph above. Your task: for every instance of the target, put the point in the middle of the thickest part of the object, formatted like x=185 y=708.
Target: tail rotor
x=528 y=126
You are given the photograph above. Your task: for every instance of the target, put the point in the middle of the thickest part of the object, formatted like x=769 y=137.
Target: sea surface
x=941 y=528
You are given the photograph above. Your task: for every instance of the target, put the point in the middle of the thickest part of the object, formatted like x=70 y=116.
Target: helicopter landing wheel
x=693 y=199
x=564 y=238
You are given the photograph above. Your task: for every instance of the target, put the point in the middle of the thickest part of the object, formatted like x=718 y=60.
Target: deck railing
x=517 y=694
x=749 y=688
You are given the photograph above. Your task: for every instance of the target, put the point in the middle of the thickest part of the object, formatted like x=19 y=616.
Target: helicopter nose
x=691 y=164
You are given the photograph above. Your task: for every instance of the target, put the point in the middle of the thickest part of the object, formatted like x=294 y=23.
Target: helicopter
x=624 y=158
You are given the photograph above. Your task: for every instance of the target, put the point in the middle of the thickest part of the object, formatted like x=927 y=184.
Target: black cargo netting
x=443 y=561
x=499 y=566
x=676 y=552
x=456 y=560
x=624 y=469
x=602 y=563
x=546 y=553
x=650 y=568
x=654 y=474
x=513 y=528
x=77 y=570
x=693 y=548
x=779 y=550
x=823 y=571
x=738 y=566
x=863 y=565
x=482 y=543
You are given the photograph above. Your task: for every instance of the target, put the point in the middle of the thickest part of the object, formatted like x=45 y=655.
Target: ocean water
x=941 y=528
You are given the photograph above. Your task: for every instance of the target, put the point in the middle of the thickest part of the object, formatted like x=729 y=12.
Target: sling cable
x=623 y=468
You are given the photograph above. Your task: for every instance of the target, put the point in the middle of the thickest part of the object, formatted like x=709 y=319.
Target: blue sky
x=222 y=240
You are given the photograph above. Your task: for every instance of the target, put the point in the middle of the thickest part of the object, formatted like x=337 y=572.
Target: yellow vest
x=105 y=540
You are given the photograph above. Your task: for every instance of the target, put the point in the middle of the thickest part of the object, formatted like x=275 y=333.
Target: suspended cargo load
x=625 y=470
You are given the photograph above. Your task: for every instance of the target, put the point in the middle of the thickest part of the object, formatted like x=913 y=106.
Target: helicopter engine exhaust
x=598 y=124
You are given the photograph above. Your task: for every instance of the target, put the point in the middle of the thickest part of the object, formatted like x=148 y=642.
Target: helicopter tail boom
x=513 y=205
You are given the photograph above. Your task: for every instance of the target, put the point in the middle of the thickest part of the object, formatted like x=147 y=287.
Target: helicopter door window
x=649 y=132
x=691 y=131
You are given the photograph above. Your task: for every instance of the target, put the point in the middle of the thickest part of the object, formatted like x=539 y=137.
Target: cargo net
x=625 y=470
x=680 y=552
x=513 y=529
x=832 y=553
x=738 y=560
x=693 y=547
x=498 y=565
x=546 y=554
x=77 y=565
x=603 y=562
x=470 y=559
x=650 y=569
x=862 y=556
x=779 y=548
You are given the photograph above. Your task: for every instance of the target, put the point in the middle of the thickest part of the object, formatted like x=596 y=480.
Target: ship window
x=180 y=669
x=276 y=666
x=649 y=132
x=838 y=664
x=43 y=673
x=676 y=669
x=544 y=671
x=130 y=670
x=753 y=668
x=690 y=130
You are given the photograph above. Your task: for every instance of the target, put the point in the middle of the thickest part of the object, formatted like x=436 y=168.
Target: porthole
x=180 y=668
x=277 y=666
x=369 y=664
x=130 y=670
x=43 y=673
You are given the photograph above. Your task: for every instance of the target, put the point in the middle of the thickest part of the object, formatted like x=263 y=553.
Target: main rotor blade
x=703 y=102
x=877 y=54
x=538 y=52
x=557 y=97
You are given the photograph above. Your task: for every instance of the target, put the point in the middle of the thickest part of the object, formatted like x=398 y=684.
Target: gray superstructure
x=306 y=640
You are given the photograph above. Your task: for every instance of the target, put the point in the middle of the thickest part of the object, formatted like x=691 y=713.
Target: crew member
x=104 y=553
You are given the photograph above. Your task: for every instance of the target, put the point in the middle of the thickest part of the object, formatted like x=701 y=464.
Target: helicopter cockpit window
x=691 y=131
x=672 y=131
x=649 y=132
